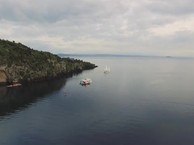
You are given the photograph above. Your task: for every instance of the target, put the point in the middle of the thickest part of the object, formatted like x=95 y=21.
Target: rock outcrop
x=3 y=76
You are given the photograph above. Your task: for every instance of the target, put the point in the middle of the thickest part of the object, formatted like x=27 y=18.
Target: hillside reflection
x=13 y=99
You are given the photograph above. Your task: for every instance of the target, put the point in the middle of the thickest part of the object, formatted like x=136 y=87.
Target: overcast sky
x=150 y=27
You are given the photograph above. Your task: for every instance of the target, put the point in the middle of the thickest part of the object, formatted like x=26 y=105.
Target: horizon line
x=122 y=55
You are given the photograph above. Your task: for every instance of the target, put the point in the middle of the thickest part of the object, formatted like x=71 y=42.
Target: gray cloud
x=173 y=7
x=109 y=26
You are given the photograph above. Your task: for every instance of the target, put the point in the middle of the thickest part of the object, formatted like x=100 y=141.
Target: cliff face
x=21 y=63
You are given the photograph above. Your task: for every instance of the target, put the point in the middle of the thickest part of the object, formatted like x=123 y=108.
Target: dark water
x=143 y=101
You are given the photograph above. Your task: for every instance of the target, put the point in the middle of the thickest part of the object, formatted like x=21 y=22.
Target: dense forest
x=20 y=63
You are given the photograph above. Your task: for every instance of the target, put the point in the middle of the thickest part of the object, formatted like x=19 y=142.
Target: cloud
x=169 y=29
x=173 y=7
x=97 y=26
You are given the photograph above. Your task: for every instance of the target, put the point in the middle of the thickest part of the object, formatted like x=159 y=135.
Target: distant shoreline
x=121 y=55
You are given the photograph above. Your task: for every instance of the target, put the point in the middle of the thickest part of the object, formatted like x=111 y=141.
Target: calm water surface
x=143 y=101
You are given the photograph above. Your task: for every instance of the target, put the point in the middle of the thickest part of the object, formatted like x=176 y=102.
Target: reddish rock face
x=3 y=77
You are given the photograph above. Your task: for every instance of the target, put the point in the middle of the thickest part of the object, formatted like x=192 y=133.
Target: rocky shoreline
x=21 y=64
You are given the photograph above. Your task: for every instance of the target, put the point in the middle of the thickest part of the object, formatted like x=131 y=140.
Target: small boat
x=107 y=70
x=13 y=85
x=86 y=81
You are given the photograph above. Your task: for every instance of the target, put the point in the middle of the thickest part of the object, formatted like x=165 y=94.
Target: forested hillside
x=20 y=63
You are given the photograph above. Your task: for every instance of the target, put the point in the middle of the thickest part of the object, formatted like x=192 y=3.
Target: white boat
x=107 y=70
x=86 y=81
x=13 y=85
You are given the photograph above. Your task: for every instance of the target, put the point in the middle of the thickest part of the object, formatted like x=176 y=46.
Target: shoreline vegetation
x=20 y=64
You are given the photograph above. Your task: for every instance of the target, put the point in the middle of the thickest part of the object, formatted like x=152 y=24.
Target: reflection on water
x=13 y=99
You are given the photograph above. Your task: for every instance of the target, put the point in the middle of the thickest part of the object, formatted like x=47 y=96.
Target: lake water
x=143 y=101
